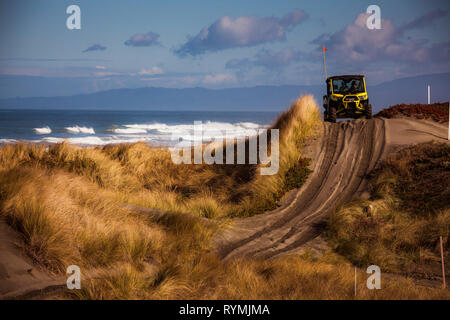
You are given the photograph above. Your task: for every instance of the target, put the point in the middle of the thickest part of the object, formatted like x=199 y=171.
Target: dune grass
x=288 y=278
x=65 y=219
x=146 y=176
x=69 y=205
x=399 y=228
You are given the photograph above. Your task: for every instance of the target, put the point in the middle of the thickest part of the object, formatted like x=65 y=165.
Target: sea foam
x=44 y=130
x=77 y=129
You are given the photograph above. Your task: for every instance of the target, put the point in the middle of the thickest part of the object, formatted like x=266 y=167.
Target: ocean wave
x=44 y=130
x=163 y=134
x=212 y=129
x=7 y=141
x=208 y=125
x=77 y=129
x=98 y=141
x=92 y=140
x=128 y=130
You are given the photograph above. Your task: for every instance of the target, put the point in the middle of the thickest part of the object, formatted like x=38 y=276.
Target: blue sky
x=219 y=44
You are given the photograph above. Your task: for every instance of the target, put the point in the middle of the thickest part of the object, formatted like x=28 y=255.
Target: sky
x=221 y=44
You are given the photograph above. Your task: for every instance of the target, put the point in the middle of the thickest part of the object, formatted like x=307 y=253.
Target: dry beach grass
x=68 y=205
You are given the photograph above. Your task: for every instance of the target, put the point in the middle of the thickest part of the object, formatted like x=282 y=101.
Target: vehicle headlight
x=363 y=97
x=333 y=97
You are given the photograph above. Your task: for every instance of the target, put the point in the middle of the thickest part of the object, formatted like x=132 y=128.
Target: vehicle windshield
x=348 y=86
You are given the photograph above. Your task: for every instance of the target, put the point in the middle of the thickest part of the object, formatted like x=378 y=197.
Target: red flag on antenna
x=324 y=49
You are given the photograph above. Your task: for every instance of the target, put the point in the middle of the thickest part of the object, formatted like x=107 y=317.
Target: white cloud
x=356 y=43
x=152 y=71
x=143 y=40
x=106 y=74
x=228 y=32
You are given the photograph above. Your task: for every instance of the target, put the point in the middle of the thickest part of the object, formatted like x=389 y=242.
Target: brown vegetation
x=399 y=228
x=436 y=111
x=67 y=203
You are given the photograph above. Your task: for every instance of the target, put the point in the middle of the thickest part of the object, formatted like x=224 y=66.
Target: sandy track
x=342 y=157
x=18 y=274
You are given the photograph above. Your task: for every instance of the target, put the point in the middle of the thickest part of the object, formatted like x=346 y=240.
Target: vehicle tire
x=332 y=114
x=325 y=116
x=369 y=111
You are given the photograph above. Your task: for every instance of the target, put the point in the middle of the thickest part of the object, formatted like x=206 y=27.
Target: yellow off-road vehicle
x=346 y=98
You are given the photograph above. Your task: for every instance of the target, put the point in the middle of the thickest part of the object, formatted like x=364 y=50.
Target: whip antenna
x=325 y=61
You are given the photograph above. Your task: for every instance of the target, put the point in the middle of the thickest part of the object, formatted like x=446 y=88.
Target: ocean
x=94 y=128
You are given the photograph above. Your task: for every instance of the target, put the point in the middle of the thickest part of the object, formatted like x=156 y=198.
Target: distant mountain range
x=259 y=98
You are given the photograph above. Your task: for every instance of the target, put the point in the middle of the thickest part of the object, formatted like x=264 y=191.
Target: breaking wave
x=44 y=130
x=128 y=130
x=163 y=134
x=77 y=129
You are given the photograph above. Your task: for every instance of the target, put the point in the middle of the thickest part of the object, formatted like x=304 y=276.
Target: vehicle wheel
x=369 y=111
x=332 y=114
x=325 y=116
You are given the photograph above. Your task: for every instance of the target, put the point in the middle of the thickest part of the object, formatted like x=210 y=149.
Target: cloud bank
x=268 y=59
x=155 y=70
x=246 y=31
x=357 y=44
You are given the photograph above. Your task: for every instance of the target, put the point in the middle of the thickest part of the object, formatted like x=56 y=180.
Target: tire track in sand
x=346 y=153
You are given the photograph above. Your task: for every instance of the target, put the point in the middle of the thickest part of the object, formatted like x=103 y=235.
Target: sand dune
x=344 y=154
